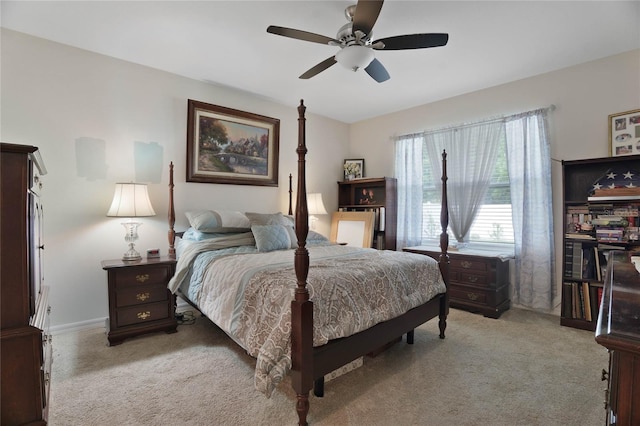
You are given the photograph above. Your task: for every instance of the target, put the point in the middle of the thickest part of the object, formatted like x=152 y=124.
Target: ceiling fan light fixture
x=355 y=57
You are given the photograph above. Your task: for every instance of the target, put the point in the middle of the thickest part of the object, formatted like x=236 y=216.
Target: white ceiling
x=226 y=43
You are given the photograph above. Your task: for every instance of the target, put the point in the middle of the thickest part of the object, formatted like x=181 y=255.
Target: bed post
x=172 y=215
x=443 y=261
x=301 y=306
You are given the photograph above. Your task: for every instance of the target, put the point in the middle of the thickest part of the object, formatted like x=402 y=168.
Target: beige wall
x=54 y=95
x=584 y=95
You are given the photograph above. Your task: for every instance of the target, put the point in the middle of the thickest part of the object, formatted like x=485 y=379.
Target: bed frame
x=310 y=364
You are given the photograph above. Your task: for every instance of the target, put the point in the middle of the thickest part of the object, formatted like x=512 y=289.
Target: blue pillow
x=271 y=237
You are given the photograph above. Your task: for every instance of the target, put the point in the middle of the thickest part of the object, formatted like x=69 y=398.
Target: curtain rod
x=476 y=123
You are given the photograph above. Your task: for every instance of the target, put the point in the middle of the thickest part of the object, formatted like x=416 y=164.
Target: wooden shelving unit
x=378 y=195
x=587 y=240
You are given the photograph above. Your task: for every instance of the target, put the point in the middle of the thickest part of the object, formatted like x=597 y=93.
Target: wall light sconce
x=315 y=206
x=131 y=200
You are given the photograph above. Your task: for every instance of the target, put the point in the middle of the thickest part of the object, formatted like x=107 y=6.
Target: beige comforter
x=249 y=297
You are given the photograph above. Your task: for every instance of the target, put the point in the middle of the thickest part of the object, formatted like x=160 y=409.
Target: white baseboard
x=79 y=326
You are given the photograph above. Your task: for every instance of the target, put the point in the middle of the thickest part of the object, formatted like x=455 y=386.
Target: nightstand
x=139 y=300
x=478 y=280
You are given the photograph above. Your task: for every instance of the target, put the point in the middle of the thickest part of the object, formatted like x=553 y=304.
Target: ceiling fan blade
x=318 y=68
x=412 y=41
x=377 y=71
x=301 y=35
x=366 y=15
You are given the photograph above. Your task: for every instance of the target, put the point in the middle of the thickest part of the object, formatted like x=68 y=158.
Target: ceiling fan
x=355 y=41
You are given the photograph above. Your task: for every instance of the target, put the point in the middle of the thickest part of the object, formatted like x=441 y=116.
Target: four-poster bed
x=320 y=348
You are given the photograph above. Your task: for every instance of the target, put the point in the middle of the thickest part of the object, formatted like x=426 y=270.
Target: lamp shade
x=131 y=200
x=355 y=57
x=315 y=204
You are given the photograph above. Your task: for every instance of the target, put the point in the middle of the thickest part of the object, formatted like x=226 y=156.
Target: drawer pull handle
x=466 y=264
x=472 y=279
x=144 y=315
x=472 y=296
x=142 y=278
x=142 y=296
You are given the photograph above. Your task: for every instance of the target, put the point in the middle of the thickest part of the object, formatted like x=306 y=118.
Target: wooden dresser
x=478 y=282
x=618 y=330
x=25 y=342
x=139 y=300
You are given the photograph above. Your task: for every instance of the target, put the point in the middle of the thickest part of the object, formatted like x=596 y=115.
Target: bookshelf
x=373 y=194
x=596 y=223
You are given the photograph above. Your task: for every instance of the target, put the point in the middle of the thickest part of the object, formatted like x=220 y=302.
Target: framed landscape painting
x=226 y=145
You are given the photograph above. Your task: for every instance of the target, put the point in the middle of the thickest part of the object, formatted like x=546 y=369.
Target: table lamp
x=131 y=200
x=315 y=206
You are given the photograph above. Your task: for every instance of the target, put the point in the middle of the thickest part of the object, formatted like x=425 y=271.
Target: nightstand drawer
x=142 y=313
x=135 y=276
x=469 y=264
x=468 y=294
x=141 y=295
x=469 y=278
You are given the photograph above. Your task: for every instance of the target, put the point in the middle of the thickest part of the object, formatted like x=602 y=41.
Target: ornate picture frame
x=353 y=169
x=230 y=146
x=624 y=133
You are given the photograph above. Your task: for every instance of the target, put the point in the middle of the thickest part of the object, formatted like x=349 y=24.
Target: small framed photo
x=353 y=169
x=624 y=133
x=366 y=196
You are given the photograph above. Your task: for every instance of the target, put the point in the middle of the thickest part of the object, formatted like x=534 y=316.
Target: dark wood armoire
x=25 y=346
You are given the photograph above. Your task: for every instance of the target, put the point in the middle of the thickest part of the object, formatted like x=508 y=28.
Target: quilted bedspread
x=249 y=297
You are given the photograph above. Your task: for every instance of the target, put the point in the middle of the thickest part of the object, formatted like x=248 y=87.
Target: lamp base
x=130 y=237
x=131 y=255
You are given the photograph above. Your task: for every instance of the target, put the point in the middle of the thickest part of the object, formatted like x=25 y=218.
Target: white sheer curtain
x=472 y=150
x=529 y=163
x=408 y=170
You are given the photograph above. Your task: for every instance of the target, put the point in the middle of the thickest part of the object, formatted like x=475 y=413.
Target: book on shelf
x=586 y=298
x=575 y=296
x=579 y=295
x=588 y=264
x=597 y=261
x=576 y=262
x=580 y=236
x=584 y=261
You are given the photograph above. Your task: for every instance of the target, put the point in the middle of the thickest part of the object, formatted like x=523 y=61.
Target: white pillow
x=218 y=221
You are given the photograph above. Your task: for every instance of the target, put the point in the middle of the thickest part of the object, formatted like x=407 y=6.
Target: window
x=492 y=224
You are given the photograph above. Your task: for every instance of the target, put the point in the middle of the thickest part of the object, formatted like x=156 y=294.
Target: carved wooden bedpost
x=301 y=306
x=172 y=215
x=443 y=260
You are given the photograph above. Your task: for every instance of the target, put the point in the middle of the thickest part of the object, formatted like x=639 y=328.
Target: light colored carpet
x=522 y=369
